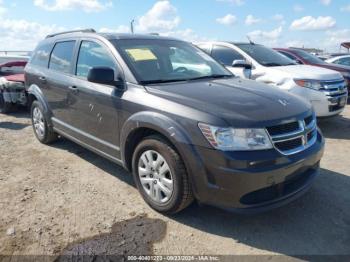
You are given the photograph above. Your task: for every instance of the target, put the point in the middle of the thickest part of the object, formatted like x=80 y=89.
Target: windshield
x=308 y=57
x=265 y=56
x=159 y=61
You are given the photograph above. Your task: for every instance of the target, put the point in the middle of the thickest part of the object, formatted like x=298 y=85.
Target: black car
x=185 y=126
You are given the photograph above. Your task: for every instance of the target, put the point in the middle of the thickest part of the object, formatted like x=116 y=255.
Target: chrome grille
x=281 y=129
x=295 y=136
x=334 y=88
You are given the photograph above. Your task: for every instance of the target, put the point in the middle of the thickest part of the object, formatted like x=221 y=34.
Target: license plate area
x=342 y=101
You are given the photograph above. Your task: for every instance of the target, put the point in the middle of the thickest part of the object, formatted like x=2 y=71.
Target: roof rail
x=89 y=30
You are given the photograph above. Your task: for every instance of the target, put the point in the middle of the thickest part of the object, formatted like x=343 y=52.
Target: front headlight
x=313 y=84
x=236 y=139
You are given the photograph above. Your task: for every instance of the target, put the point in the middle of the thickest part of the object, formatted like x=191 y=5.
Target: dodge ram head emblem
x=303 y=139
x=283 y=102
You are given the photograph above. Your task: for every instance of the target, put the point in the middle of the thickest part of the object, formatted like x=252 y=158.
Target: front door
x=97 y=107
x=226 y=56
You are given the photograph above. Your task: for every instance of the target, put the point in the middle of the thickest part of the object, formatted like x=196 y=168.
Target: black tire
x=48 y=135
x=181 y=195
x=5 y=107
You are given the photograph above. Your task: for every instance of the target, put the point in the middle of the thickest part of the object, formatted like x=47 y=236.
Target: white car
x=340 y=60
x=324 y=88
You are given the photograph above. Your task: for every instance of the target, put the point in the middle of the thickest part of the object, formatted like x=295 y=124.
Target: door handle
x=74 y=89
x=42 y=79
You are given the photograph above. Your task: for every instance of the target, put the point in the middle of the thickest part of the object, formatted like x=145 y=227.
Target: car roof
x=111 y=36
x=338 y=57
x=342 y=56
x=226 y=42
x=108 y=36
x=282 y=48
x=243 y=43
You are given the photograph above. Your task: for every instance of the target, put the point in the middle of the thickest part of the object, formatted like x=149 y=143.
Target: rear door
x=226 y=56
x=58 y=80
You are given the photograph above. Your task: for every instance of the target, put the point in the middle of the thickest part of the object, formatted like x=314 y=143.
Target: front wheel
x=160 y=176
x=43 y=132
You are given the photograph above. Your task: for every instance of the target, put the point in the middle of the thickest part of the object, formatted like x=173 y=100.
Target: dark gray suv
x=185 y=126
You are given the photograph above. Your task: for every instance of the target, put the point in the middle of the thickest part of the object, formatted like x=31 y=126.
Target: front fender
x=156 y=121
x=173 y=131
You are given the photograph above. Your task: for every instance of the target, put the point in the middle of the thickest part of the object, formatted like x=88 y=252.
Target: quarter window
x=61 y=57
x=91 y=55
x=226 y=55
x=41 y=56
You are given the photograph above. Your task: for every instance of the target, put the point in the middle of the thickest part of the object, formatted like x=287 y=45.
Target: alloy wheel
x=38 y=122
x=155 y=176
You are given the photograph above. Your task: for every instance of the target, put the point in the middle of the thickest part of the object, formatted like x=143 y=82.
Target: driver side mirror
x=241 y=63
x=105 y=76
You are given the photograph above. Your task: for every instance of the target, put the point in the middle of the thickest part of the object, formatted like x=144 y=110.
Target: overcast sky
x=313 y=23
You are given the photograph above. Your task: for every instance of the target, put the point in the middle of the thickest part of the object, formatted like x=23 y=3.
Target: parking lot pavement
x=62 y=198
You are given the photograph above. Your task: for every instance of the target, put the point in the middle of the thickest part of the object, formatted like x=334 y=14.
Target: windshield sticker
x=141 y=54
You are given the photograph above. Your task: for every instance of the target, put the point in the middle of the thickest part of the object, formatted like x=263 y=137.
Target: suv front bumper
x=323 y=104
x=249 y=182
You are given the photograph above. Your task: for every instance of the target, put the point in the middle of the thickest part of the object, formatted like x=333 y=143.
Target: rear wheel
x=160 y=176
x=42 y=131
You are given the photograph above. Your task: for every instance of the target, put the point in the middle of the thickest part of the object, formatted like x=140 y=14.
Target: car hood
x=307 y=72
x=241 y=103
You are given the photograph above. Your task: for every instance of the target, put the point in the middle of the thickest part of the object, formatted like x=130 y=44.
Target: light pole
x=132 y=26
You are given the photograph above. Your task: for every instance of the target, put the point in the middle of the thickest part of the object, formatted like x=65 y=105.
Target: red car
x=305 y=58
x=12 y=89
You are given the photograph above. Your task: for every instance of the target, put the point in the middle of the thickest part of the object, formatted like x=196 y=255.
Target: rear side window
x=41 y=56
x=91 y=55
x=61 y=56
x=344 y=61
x=226 y=55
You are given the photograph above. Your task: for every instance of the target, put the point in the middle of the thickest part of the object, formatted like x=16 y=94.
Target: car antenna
x=250 y=41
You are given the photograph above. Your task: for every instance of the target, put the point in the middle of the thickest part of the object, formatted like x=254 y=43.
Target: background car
x=305 y=58
x=325 y=89
x=5 y=58
x=12 y=89
x=340 y=60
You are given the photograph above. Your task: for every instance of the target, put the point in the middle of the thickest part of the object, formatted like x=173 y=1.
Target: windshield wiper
x=210 y=76
x=160 y=81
